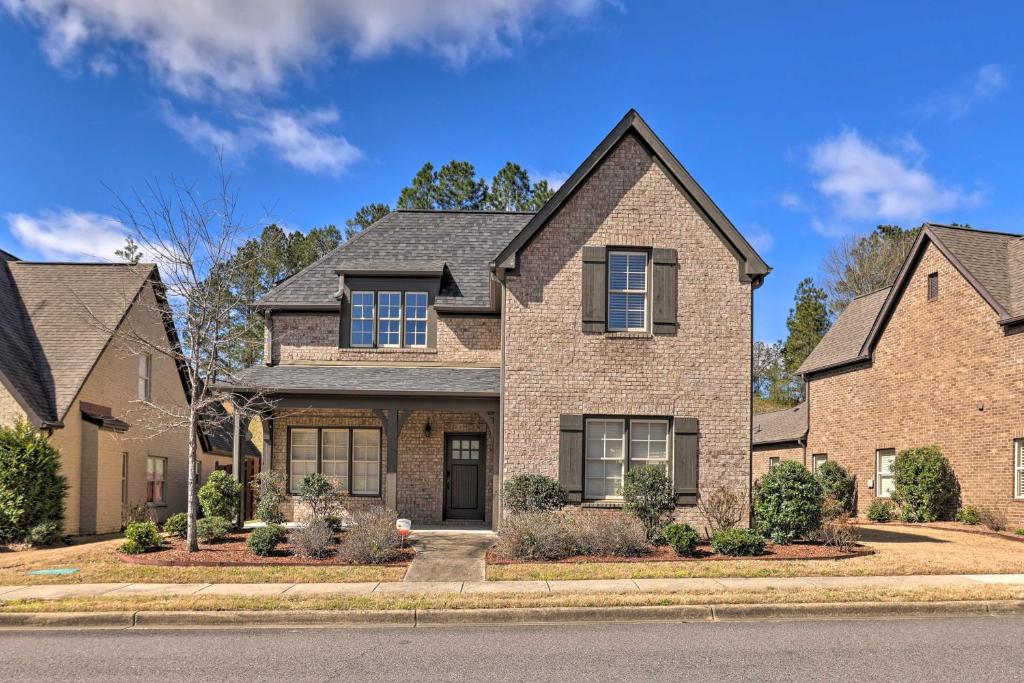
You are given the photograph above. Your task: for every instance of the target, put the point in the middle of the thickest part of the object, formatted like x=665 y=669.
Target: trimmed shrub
x=212 y=529
x=738 y=542
x=533 y=493
x=926 y=487
x=44 y=534
x=836 y=482
x=263 y=540
x=1019 y=532
x=787 y=503
x=270 y=493
x=220 y=496
x=722 y=508
x=968 y=514
x=557 y=534
x=32 y=490
x=177 y=525
x=322 y=497
x=648 y=496
x=881 y=510
x=372 y=538
x=683 y=538
x=141 y=537
x=315 y=540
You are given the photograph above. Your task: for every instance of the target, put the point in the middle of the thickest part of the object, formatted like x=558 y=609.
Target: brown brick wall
x=935 y=363
x=553 y=368
x=762 y=454
x=313 y=337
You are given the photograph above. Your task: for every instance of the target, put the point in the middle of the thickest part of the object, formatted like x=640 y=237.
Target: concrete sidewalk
x=59 y=591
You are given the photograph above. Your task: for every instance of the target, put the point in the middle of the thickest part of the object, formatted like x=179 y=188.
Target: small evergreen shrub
x=787 y=503
x=926 y=488
x=141 y=537
x=270 y=493
x=323 y=498
x=837 y=483
x=44 y=534
x=533 y=493
x=372 y=538
x=212 y=529
x=557 y=534
x=220 y=496
x=881 y=510
x=648 y=496
x=177 y=525
x=968 y=514
x=334 y=522
x=683 y=538
x=1019 y=532
x=264 y=540
x=32 y=490
x=738 y=542
x=315 y=540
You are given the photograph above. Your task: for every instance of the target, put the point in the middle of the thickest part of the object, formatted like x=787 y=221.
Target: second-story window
x=145 y=376
x=389 y=319
x=362 y=318
x=627 y=291
x=416 y=319
x=389 y=307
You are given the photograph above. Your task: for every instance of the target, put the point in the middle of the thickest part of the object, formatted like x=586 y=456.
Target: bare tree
x=862 y=264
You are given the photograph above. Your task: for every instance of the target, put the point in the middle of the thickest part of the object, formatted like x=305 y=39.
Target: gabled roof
x=415 y=243
x=55 y=321
x=781 y=426
x=842 y=343
x=752 y=267
x=216 y=431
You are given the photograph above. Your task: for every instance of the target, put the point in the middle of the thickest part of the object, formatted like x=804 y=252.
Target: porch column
x=393 y=421
x=268 y=442
x=236 y=456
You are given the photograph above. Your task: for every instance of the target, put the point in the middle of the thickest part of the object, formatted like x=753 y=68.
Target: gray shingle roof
x=843 y=342
x=367 y=379
x=464 y=242
x=216 y=426
x=992 y=258
x=780 y=426
x=66 y=312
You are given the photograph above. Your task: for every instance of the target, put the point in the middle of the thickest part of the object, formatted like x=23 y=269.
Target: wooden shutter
x=685 y=461
x=595 y=289
x=570 y=456
x=664 y=283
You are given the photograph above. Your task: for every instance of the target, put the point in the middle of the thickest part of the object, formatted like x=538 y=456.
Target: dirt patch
x=794 y=551
x=232 y=552
x=963 y=528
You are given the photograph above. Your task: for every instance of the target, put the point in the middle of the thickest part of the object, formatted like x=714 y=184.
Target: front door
x=464 y=472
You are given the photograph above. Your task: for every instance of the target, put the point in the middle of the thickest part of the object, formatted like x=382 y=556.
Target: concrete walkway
x=446 y=556
x=58 y=591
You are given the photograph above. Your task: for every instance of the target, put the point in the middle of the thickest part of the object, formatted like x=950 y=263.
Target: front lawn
x=899 y=550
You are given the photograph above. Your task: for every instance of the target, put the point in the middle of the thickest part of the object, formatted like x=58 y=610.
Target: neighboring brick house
x=777 y=436
x=438 y=354
x=938 y=358
x=63 y=370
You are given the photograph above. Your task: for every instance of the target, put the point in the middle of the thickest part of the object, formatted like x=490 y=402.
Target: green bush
x=736 y=542
x=212 y=529
x=925 y=486
x=836 y=482
x=968 y=514
x=263 y=540
x=141 y=537
x=647 y=493
x=44 y=534
x=787 y=503
x=270 y=494
x=881 y=510
x=32 y=490
x=323 y=498
x=177 y=525
x=683 y=538
x=533 y=493
x=220 y=496
x=1019 y=532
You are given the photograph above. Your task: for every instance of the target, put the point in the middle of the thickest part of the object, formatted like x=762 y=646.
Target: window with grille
x=627 y=291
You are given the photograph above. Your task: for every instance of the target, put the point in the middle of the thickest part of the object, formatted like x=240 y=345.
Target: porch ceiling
x=364 y=380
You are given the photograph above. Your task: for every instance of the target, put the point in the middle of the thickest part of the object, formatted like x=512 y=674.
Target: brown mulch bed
x=232 y=552
x=950 y=526
x=794 y=551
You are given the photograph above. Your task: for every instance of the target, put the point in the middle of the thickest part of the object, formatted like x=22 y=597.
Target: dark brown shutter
x=664 y=283
x=570 y=456
x=685 y=462
x=595 y=289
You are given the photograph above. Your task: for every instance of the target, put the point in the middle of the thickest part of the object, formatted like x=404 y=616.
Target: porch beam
x=455 y=404
x=488 y=417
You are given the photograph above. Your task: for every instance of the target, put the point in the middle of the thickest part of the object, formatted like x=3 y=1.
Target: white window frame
x=635 y=461
x=335 y=467
x=774 y=461
x=879 y=475
x=145 y=377
x=814 y=461
x=1018 y=469
x=351 y=463
x=396 y=319
x=645 y=292
x=363 y=318
x=295 y=477
x=415 y=319
x=365 y=464
x=151 y=472
x=629 y=460
x=591 y=456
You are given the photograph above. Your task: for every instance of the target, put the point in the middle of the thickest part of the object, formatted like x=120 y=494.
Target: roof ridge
x=81 y=263
x=491 y=211
x=966 y=228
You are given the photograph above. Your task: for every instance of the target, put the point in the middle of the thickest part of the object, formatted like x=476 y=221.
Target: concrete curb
x=409 y=618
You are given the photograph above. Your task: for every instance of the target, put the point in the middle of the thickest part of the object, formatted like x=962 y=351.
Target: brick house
x=777 y=436
x=438 y=354
x=938 y=358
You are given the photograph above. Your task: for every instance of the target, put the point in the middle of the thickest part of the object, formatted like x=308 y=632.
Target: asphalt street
x=961 y=649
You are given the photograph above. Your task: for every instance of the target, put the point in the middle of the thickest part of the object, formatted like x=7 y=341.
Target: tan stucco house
x=439 y=353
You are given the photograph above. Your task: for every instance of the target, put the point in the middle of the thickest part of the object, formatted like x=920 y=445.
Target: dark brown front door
x=464 y=472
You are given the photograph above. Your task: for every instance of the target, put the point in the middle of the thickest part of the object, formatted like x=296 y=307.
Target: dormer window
x=362 y=318
x=389 y=319
x=416 y=319
x=389 y=324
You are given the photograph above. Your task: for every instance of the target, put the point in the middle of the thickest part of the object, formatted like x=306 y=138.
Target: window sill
x=629 y=335
x=603 y=504
x=156 y=505
x=388 y=349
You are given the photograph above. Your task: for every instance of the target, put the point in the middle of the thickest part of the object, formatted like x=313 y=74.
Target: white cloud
x=246 y=46
x=554 y=179
x=200 y=133
x=67 y=234
x=792 y=201
x=984 y=84
x=762 y=240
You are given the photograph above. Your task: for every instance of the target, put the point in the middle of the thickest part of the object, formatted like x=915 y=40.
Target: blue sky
x=806 y=122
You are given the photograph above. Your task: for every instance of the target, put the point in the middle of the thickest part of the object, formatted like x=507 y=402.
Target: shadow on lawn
x=876 y=535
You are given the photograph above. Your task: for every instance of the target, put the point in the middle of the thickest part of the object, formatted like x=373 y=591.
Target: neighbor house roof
x=843 y=342
x=216 y=427
x=457 y=245
x=752 y=266
x=55 y=321
x=781 y=426
x=368 y=380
